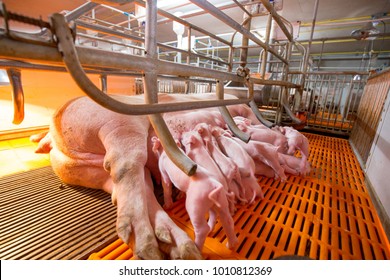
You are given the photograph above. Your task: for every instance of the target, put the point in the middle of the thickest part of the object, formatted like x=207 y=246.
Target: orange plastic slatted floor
x=327 y=215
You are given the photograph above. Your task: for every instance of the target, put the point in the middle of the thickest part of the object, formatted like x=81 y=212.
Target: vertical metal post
x=265 y=53
x=306 y=58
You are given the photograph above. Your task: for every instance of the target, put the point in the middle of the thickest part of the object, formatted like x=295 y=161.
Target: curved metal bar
x=258 y=115
x=288 y=109
x=228 y=118
x=14 y=76
x=177 y=156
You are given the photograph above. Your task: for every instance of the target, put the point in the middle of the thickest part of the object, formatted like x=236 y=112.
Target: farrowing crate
x=327 y=215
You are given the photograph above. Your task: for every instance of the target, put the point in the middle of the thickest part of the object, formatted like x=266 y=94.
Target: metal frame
x=62 y=51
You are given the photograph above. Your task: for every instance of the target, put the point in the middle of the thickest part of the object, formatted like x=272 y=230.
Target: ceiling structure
x=348 y=35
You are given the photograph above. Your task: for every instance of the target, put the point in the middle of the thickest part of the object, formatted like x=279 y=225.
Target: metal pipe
x=79 y=11
x=103 y=82
x=11 y=49
x=228 y=118
x=258 y=115
x=277 y=18
x=264 y=53
x=72 y=63
x=109 y=31
x=150 y=87
x=242 y=8
x=236 y=26
x=48 y=54
x=15 y=79
x=306 y=58
x=185 y=23
x=245 y=40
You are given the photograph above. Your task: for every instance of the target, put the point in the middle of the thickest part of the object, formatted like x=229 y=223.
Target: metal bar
x=258 y=115
x=242 y=8
x=228 y=118
x=72 y=63
x=109 y=31
x=306 y=58
x=103 y=82
x=177 y=156
x=245 y=41
x=21 y=65
x=185 y=23
x=76 y=13
x=233 y=24
x=110 y=41
x=11 y=49
x=15 y=79
x=264 y=53
x=277 y=18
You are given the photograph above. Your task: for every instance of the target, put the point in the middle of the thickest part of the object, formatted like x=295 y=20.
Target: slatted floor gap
x=326 y=216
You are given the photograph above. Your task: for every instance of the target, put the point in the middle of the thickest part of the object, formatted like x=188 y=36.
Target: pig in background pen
x=108 y=151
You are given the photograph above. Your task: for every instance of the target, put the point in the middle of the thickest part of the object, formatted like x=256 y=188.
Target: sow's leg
x=174 y=241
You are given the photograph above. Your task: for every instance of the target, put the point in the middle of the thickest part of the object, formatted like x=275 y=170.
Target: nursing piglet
x=204 y=194
x=265 y=153
x=245 y=163
x=227 y=166
x=196 y=150
x=263 y=134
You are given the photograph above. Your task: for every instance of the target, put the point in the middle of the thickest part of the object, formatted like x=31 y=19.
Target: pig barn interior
x=320 y=66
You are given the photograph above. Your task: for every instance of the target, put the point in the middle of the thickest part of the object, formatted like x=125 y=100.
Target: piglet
x=244 y=162
x=297 y=141
x=227 y=166
x=204 y=194
x=263 y=134
x=197 y=151
x=294 y=165
x=265 y=153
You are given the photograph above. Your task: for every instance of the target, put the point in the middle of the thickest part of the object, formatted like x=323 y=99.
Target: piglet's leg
x=173 y=241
